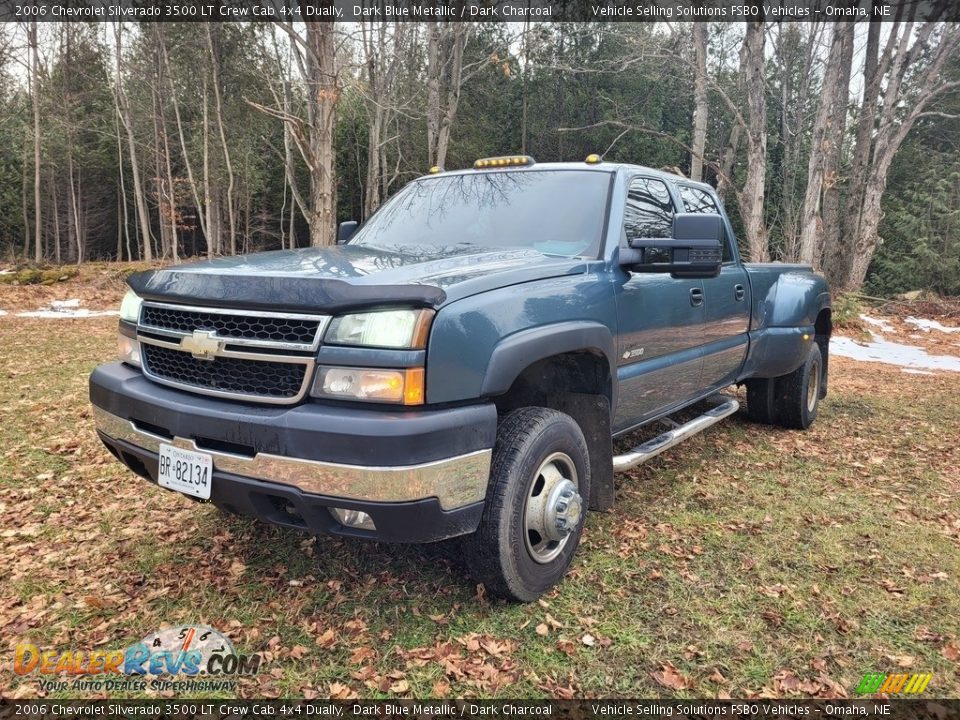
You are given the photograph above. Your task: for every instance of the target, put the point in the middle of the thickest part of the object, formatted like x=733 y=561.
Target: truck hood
x=345 y=277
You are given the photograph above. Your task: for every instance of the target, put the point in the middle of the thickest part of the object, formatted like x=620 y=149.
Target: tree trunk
x=700 y=100
x=35 y=96
x=322 y=97
x=183 y=143
x=884 y=132
x=446 y=43
x=728 y=161
x=124 y=112
x=825 y=143
x=832 y=217
x=213 y=235
x=752 y=197
x=223 y=142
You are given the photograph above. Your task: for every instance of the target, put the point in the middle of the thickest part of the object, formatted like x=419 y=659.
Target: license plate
x=186 y=471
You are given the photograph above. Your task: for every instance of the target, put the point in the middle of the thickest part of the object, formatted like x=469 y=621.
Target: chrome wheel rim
x=553 y=508
x=813 y=386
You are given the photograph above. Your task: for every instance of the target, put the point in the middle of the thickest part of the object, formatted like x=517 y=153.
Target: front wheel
x=535 y=508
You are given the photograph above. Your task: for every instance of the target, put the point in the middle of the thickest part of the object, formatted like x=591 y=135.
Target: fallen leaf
x=669 y=677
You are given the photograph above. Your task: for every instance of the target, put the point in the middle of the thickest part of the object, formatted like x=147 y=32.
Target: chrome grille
x=229 y=375
x=246 y=355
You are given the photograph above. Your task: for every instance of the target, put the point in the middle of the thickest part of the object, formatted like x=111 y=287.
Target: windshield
x=555 y=212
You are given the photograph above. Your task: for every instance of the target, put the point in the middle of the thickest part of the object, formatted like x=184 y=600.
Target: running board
x=651 y=448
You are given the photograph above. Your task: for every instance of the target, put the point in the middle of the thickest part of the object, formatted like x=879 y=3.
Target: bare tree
x=223 y=140
x=825 y=143
x=446 y=42
x=35 y=97
x=752 y=195
x=899 y=85
x=315 y=56
x=383 y=49
x=700 y=100
x=123 y=112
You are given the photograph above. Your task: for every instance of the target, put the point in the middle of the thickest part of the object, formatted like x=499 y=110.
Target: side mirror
x=345 y=231
x=694 y=251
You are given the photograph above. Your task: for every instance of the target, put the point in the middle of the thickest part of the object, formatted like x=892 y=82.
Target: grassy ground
x=749 y=561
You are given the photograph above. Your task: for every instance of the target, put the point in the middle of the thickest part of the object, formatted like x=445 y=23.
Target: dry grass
x=750 y=561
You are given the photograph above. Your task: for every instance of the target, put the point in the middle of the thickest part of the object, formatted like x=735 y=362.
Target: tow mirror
x=345 y=231
x=694 y=251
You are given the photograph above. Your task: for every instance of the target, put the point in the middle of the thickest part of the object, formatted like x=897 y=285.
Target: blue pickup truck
x=459 y=365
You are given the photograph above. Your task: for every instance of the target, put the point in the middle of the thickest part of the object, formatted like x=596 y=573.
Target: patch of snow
x=6 y=272
x=928 y=325
x=60 y=314
x=2 y=313
x=884 y=351
x=911 y=371
x=878 y=323
x=58 y=309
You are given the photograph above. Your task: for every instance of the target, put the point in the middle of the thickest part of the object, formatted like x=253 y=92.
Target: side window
x=696 y=200
x=649 y=211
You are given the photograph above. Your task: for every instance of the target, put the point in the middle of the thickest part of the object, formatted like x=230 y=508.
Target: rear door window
x=696 y=200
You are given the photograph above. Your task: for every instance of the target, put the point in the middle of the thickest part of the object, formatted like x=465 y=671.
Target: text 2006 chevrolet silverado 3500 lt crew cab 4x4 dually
x=459 y=365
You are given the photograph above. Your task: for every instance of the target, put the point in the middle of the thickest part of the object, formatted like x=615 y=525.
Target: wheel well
x=824 y=323
x=823 y=327
x=580 y=385
x=543 y=383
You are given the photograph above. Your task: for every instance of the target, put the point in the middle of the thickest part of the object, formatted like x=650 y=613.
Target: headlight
x=387 y=329
x=370 y=384
x=130 y=307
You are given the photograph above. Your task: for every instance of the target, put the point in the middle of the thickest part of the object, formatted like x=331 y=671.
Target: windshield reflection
x=555 y=212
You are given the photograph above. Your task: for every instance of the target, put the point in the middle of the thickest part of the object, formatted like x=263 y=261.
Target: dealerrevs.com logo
x=204 y=658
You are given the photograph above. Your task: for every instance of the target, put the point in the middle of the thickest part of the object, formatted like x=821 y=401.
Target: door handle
x=696 y=297
x=739 y=292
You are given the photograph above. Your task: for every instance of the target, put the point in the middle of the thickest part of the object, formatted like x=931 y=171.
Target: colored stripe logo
x=908 y=684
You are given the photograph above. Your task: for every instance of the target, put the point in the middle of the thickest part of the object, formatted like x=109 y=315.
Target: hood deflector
x=286 y=294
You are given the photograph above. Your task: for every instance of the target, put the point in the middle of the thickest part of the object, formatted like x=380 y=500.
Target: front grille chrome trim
x=259 y=350
x=322 y=322
x=455 y=481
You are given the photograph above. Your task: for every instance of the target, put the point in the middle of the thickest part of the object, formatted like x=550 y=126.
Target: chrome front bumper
x=455 y=482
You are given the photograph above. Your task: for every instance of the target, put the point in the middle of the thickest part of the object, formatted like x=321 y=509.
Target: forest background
x=833 y=143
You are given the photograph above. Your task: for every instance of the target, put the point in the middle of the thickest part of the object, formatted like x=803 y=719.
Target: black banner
x=480 y=10
x=448 y=709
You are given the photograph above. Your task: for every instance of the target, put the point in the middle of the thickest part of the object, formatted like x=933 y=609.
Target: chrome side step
x=651 y=448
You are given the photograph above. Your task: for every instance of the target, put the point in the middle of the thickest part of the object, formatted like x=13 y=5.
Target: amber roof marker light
x=593 y=159
x=503 y=161
x=435 y=170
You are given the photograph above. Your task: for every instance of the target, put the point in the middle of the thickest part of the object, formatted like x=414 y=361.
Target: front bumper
x=421 y=475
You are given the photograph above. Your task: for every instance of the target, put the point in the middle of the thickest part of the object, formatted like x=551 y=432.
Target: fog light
x=353 y=518
x=129 y=350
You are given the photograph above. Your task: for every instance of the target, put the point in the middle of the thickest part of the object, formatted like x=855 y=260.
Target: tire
x=760 y=400
x=797 y=394
x=507 y=553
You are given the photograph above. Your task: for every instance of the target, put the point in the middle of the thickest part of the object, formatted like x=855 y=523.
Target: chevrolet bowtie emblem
x=203 y=344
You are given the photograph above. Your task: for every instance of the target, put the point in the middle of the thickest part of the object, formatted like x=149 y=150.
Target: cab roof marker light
x=504 y=161
x=435 y=170
x=593 y=159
